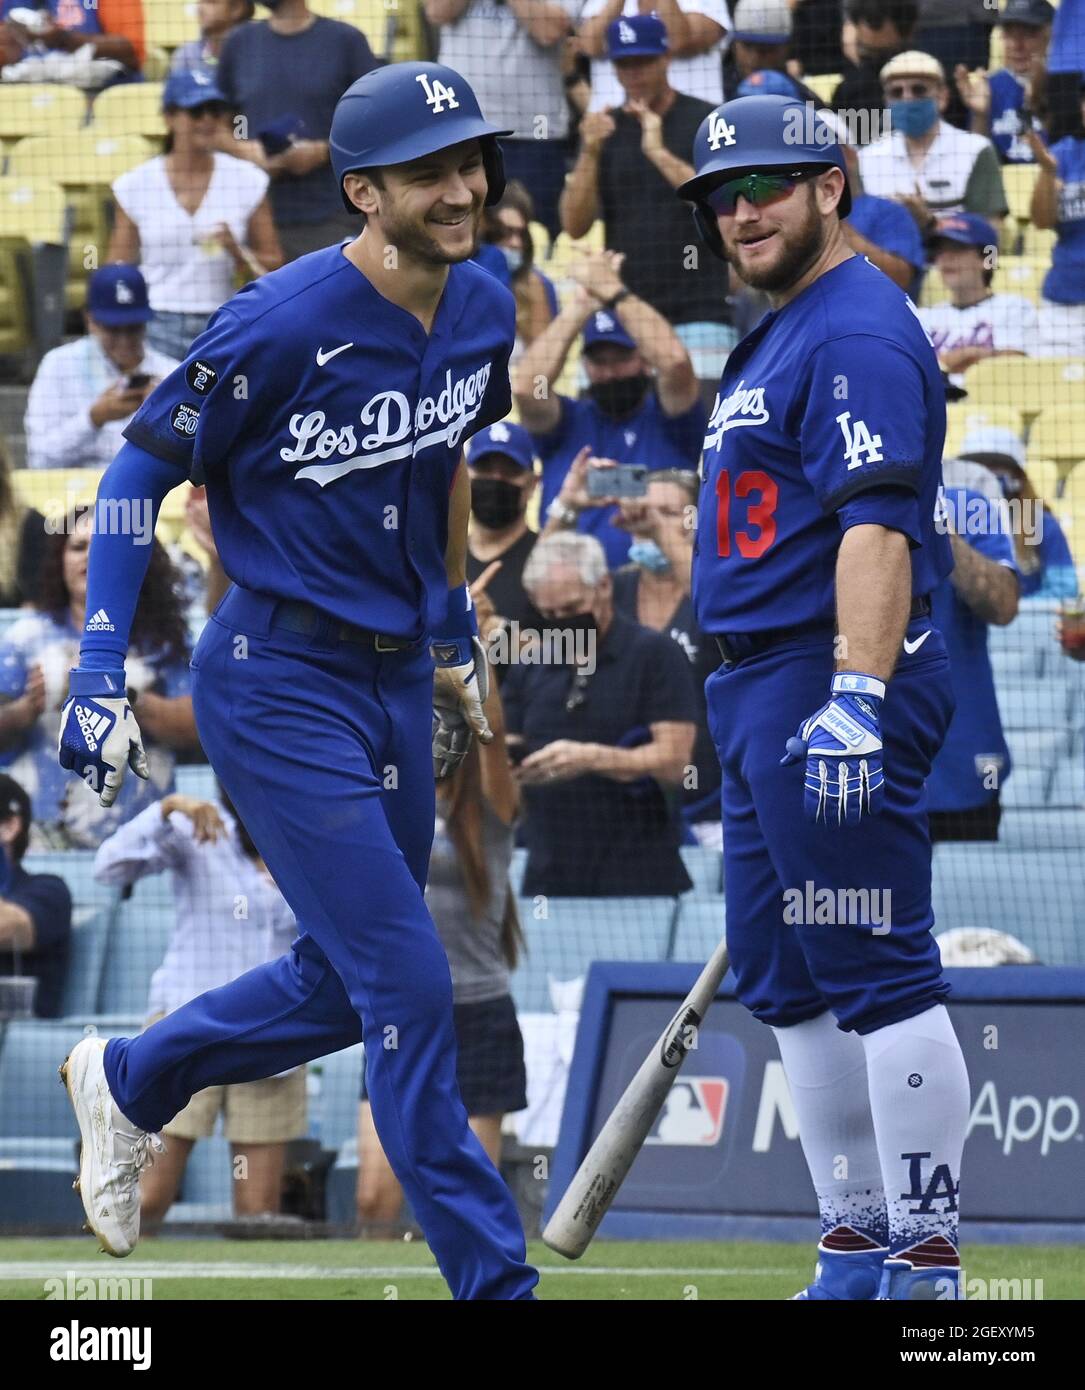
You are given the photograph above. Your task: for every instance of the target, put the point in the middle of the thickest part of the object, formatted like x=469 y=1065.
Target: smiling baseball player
x=815 y=554
x=326 y=407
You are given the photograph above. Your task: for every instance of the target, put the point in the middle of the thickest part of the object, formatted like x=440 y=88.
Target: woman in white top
x=192 y=218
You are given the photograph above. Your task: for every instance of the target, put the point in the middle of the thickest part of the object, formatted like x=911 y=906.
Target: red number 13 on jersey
x=759 y=513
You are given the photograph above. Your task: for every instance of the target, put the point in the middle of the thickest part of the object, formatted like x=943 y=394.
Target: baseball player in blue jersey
x=326 y=407
x=815 y=555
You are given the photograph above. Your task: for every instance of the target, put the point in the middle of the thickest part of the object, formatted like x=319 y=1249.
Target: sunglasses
x=901 y=91
x=758 y=189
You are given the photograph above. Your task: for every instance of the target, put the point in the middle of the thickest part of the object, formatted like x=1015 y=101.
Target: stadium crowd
x=965 y=142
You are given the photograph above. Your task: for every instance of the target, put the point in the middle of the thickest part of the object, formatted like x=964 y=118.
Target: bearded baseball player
x=815 y=556
x=326 y=407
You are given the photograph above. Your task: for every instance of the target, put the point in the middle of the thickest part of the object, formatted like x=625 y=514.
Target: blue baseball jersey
x=830 y=413
x=974 y=760
x=328 y=427
x=1064 y=283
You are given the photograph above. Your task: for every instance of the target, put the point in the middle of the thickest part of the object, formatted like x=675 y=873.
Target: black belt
x=737 y=646
x=295 y=616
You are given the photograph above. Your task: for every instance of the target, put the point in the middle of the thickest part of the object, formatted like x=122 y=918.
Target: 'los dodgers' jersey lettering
x=829 y=412
x=328 y=427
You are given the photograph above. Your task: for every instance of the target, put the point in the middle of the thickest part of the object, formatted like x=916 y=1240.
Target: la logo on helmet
x=719 y=132
x=438 y=97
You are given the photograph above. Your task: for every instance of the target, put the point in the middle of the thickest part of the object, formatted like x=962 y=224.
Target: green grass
x=222 y=1270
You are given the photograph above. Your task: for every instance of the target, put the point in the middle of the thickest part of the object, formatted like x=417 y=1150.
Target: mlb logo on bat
x=693 y=1112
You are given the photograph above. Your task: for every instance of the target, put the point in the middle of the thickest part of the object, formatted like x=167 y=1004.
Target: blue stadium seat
x=577 y=931
x=76 y=868
x=90 y=931
x=701 y=923
x=207 y=1187
x=334 y=1113
x=1054 y=701
x=36 y=1177
x=1046 y=829
x=705 y=868
x=33 y=1101
x=1045 y=748
x=196 y=779
x=137 y=944
x=1036 y=895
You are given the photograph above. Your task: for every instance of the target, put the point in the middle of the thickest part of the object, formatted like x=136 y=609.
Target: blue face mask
x=914 y=118
x=649 y=556
x=514 y=258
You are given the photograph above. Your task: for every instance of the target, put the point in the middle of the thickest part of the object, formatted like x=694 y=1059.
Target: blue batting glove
x=842 y=746
x=99 y=736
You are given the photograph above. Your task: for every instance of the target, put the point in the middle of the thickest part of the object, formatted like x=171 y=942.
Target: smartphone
x=137 y=381
x=626 y=480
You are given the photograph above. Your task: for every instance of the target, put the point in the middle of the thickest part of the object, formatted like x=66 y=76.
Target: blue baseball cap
x=966 y=228
x=194 y=87
x=604 y=327
x=117 y=296
x=510 y=441
x=636 y=36
x=767 y=83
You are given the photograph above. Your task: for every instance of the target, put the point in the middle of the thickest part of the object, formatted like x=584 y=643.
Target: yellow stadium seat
x=1038 y=242
x=1058 y=433
x=35 y=209
x=132 y=109
x=962 y=417
x=156 y=65
x=1043 y=474
x=84 y=164
x=56 y=491
x=823 y=85
x=40 y=109
x=1023 y=275
x=1030 y=383
x=1019 y=181
x=16 y=335
x=170 y=23
x=540 y=241
x=411 y=41
x=933 y=290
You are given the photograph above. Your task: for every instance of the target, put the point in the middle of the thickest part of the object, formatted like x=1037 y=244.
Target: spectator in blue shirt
x=35 y=909
x=964 y=786
x=1058 y=201
x=643 y=403
x=883 y=231
x=284 y=76
x=1044 y=562
x=1000 y=104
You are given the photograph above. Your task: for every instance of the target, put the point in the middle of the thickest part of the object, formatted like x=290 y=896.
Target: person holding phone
x=86 y=391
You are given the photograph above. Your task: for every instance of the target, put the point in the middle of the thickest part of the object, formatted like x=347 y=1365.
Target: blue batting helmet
x=753 y=134
x=407 y=110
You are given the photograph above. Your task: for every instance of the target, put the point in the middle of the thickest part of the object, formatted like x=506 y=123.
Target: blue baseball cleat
x=851 y=1275
x=903 y=1280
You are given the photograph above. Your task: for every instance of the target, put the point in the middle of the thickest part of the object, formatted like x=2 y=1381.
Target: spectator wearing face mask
x=643 y=403
x=501 y=463
x=507 y=251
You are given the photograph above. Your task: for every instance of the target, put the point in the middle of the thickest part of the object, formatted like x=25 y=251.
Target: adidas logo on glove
x=93 y=726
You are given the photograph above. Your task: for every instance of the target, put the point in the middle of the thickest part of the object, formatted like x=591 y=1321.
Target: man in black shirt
x=760 y=43
x=501 y=462
x=35 y=909
x=883 y=28
x=630 y=162
x=604 y=731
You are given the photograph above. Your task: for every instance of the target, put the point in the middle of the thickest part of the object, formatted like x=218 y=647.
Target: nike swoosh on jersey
x=912 y=647
x=322 y=356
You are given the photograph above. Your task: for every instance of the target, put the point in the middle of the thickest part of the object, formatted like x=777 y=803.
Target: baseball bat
x=596 y=1182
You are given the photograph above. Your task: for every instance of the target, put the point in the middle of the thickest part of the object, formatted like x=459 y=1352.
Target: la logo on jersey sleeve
x=860 y=446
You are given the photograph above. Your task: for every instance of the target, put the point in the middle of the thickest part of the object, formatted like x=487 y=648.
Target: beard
x=410 y=237
x=795 y=258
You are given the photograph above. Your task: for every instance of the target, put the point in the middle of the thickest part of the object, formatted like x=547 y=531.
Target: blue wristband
x=104 y=685
x=460 y=620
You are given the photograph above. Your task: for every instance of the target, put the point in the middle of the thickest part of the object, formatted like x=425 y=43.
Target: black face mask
x=620 y=395
x=495 y=503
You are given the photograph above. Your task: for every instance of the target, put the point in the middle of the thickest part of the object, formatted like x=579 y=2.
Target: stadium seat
x=577 y=931
x=35 y=209
x=933 y=290
x=36 y=1177
x=1044 y=748
x=156 y=65
x=169 y=23
x=1036 y=895
x=56 y=491
x=1021 y=275
x=1030 y=383
x=16 y=318
x=1043 y=474
x=1058 y=433
x=137 y=943
x=33 y=1105
x=701 y=923
x=333 y=1083
x=76 y=868
x=705 y=868
x=962 y=417
x=1043 y=829
x=1019 y=180
x=90 y=933
x=1040 y=788
x=134 y=108
x=40 y=109
x=196 y=779
x=1055 y=701
x=1038 y=242
x=823 y=85
x=85 y=163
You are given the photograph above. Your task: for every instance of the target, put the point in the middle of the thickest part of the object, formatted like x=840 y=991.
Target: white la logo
x=603 y=323
x=437 y=94
x=719 y=132
x=124 y=294
x=500 y=433
x=630 y=438
x=859 y=441
x=626 y=32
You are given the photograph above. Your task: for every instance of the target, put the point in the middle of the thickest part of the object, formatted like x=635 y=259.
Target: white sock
x=826 y=1074
x=919 y=1099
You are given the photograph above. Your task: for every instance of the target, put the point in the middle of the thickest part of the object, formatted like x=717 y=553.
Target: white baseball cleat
x=112 y=1153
